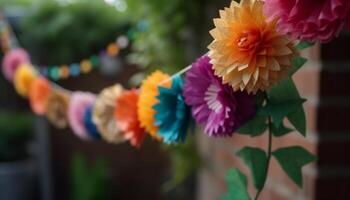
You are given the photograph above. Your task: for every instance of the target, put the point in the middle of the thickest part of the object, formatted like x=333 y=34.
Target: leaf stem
x=269 y=154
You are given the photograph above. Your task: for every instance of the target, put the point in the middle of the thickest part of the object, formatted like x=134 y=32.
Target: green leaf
x=256 y=160
x=259 y=99
x=237 y=186
x=292 y=159
x=280 y=110
x=304 y=45
x=254 y=127
x=297 y=63
x=286 y=90
x=298 y=120
x=280 y=131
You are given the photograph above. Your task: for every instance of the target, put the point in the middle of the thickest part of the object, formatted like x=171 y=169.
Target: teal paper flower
x=172 y=114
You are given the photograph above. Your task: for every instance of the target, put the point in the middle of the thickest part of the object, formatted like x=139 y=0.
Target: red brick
x=307 y=80
x=313 y=53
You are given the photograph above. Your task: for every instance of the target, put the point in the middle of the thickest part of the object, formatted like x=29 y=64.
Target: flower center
x=211 y=98
x=248 y=39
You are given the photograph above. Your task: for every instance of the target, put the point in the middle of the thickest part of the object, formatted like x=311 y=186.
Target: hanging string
x=174 y=75
x=55 y=72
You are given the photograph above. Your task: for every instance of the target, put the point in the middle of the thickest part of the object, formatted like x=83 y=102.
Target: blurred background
x=38 y=161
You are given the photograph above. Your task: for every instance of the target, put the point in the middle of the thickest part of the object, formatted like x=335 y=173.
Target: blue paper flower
x=172 y=114
x=90 y=126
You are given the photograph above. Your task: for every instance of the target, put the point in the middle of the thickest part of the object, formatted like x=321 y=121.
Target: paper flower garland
x=89 y=124
x=24 y=77
x=127 y=119
x=310 y=20
x=56 y=108
x=78 y=104
x=247 y=52
x=12 y=60
x=103 y=114
x=148 y=94
x=172 y=114
x=39 y=93
x=215 y=105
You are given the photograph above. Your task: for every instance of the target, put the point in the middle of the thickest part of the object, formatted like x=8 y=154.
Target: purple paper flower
x=214 y=105
x=12 y=60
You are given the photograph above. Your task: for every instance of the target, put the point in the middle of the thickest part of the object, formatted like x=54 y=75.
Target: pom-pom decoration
x=172 y=114
x=39 y=93
x=310 y=20
x=56 y=108
x=247 y=52
x=215 y=105
x=12 y=60
x=78 y=104
x=103 y=114
x=89 y=124
x=24 y=77
x=126 y=117
x=148 y=98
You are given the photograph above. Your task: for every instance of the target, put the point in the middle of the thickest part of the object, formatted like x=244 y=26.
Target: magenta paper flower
x=79 y=103
x=12 y=60
x=310 y=20
x=214 y=105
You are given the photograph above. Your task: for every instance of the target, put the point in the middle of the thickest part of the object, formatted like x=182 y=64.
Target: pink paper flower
x=310 y=20
x=12 y=60
x=79 y=102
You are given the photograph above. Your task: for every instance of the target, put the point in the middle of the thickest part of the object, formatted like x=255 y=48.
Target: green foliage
x=63 y=33
x=164 y=44
x=256 y=160
x=254 y=127
x=304 y=45
x=6 y=3
x=15 y=131
x=15 y=125
x=279 y=110
x=185 y=161
x=237 y=186
x=88 y=184
x=292 y=159
x=297 y=63
x=286 y=91
x=280 y=131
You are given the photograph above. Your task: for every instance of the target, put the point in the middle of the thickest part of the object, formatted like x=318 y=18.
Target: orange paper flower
x=24 y=77
x=148 y=94
x=39 y=92
x=126 y=117
x=247 y=51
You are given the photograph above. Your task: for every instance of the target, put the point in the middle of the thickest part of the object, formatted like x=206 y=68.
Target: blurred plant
x=15 y=132
x=167 y=39
x=185 y=162
x=62 y=33
x=88 y=183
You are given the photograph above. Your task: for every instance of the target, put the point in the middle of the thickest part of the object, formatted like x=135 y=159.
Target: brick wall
x=218 y=153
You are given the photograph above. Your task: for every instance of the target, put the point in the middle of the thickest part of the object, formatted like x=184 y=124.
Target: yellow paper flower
x=24 y=77
x=103 y=114
x=147 y=99
x=247 y=52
